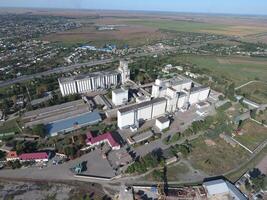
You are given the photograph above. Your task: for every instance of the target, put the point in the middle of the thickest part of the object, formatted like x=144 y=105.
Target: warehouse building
x=72 y=123
x=94 y=81
x=132 y=115
x=222 y=189
x=120 y=96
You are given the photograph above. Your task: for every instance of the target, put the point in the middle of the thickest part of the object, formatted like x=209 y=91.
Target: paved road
x=70 y=68
x=54 y=71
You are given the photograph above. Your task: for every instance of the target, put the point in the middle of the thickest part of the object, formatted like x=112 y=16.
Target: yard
x=253 y=135
x=217 y=158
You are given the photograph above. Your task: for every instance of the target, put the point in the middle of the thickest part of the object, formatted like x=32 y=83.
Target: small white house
x=162 y=123
x=120 y=96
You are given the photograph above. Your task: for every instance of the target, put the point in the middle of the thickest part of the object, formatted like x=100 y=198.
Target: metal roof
x=163 y=119
x=72 y=123
x=220 y=186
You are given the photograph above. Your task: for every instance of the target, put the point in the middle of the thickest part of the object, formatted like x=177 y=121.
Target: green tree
x=39 y=130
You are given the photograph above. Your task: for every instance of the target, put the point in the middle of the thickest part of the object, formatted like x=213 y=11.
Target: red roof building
x=11 y=156
x=104 y=138
x=37 y=157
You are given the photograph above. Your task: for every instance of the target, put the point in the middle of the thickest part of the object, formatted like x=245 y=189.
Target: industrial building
x=223 y=190
x=179 y=93
x=162 y=123
x=37 y=157
x=55 y=113
x=72 y=123
x=120 y=96
x=168 y=96
x=98 y=80
x=100 y=139
x=132 y=115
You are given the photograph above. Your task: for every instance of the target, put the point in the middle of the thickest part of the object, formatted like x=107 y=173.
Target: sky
x=199 y=6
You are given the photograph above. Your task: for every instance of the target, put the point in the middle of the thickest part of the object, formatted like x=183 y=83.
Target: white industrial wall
x=144 y=113
x=159 y=109
x=155 y=91
x=193 y=99
x=182 y=86
x=170 y=93
x=187 y=85
x=178 y=88
x=118 y=99
x=62 y=89
x=162 y=126
x=127 y=119
x=181 y=102
x=203 y=95
x=68 y=88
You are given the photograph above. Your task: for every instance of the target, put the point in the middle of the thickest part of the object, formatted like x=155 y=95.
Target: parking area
x=97 y=165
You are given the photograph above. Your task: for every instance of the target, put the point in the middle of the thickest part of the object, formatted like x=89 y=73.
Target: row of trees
x=145 y=163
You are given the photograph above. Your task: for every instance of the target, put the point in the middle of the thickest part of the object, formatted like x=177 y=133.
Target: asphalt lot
x=96 y=166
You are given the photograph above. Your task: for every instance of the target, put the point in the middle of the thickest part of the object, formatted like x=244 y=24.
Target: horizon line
x=135 y=10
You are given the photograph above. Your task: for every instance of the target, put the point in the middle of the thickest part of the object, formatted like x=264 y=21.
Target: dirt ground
x=42 y=191
x=262 y=166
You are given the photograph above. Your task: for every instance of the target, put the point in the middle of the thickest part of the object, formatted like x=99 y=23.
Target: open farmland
x=253 y=135
x=238 y=70
x=133 y=35
x=205 y=27
x=218 y=158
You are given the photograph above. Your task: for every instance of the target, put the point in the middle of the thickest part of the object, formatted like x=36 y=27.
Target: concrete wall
x=159 y=109
x=193 y=99
x=181 y=102
x=144 y=113
x=125 y=120
x=162 y=126
x=203 y=95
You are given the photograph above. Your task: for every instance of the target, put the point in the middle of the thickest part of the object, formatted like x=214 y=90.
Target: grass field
x=239 y=70
x=176 y=172
x=262 y=116
x=216 y=159
x=256 y=91
x=9 y=126
x=191 y=26
x=235 y=175
x=253 y=135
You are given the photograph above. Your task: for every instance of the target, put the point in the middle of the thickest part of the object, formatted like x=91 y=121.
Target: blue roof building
x=72 y=123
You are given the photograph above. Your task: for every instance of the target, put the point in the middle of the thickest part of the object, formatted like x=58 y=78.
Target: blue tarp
x=72 y=123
